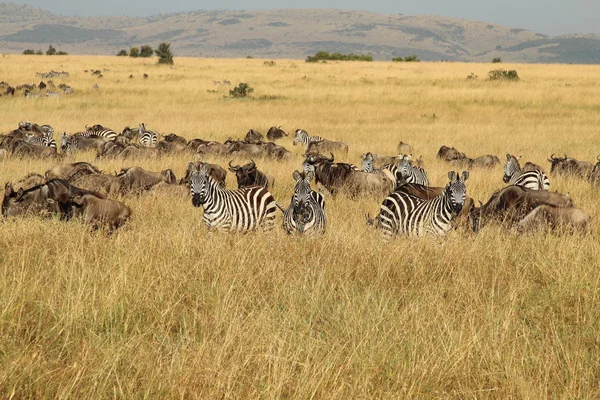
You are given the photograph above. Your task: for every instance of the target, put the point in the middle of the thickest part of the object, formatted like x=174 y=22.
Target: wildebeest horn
x=331 y=159
x=235 y=168
x=253 y=164
x=480 y=203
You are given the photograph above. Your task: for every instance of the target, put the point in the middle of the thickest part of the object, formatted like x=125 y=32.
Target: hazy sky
x=544 y=16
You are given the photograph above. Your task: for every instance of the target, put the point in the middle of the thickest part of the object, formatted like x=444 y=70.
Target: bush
x=269 y=63
x=122 y=53
x=51 y=51
x=62 y=53
x=502 y=74
x=28 y=51
x=134 y=52
x=326 y=56
x=165 y=56
x=496 y=60
x=146 y=51
x=241 y=90
x=472 y=76
x=412 y=58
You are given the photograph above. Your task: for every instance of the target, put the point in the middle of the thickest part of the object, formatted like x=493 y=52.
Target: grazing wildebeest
x=138 y=152
x=512 y=203
x=248 y=175
x=170 y=147
x=136 y=179
x=275 y=133
x=20 y=148
x=215 y=171
x=486 y=161
x=449 y=153
x=210 y=148
x=253 y=136
x=569 y=166
x=555 y=218
x=327 y=146
x=78 y=142
x=70 y=172
x=173 y=138
x=99 y=212
x=276 y=151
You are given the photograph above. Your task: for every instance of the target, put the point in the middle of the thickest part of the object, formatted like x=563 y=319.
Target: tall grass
x=163 y=310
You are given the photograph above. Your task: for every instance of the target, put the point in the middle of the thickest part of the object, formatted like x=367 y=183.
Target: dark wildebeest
x=275 y=133
x=173 y=138
x=51 y=197
x=136 y=179
x=253 y=136
x=195 y=143
x=486 y=161
x=77 y=142
x=170 y=147
x=70 y=172
x=276 y=151
x=546 y=216
x=327 y=146
x=248 y=175
x=569 y=166
x=131 y=133
x=332 y=176
x=99 y=212
x=138 y=152
x=512 y=203
x=450 y=153
x=238 y=148
x=20 y=148
x=9 y=91
x=215 y=171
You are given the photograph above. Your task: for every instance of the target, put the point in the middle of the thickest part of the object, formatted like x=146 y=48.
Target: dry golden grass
x=161 y=310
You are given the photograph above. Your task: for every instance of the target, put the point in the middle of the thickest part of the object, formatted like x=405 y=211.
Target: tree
x=241 y=90
x=165 y=56
x=146 y=51
x=496 y=60
x=134 y=52
x=28 y=51
x=62 y=53
x=122 y=53
x=51 y=51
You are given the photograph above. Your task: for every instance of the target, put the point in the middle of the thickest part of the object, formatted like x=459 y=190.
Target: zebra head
x=300 y=133
x=199 y=185
x=65 y=142
x=141 y=128
x=511 y=167
x=47 y=131
x=456 y=191
x=303 y=212
x=404 y=165
x=367 y=162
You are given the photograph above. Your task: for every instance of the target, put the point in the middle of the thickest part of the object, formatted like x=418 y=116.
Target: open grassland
x=161 y=310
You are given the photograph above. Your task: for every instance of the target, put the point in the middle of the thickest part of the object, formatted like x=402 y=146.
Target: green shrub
x=62 y=53
x=29 y=51
x=326 y=56
x=146 y=51
x=412 y=58
x=241 y=90
x=502 y=74
x=165 y=56
x=122 y=53
x=496 y=60
x=134 y=52
x=51 y=51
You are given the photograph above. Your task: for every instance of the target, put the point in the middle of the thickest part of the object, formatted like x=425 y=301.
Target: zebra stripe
x=368 y=163
x=147 y=138
x=514 y=175
x=306 y=213
x=232 y=210
x=407 y=173
x=303 y=138
x=404 y=213
x=100 y=132
x=44 y=140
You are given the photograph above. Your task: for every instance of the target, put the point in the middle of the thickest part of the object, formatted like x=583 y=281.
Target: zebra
x=98 y=131
x=306 y=213
x=414 y=216
x=302 y=137
x=368 y=163
x=45 y=140
x=147 y=138
x=387 y=171
x=514 y=175
x=407 y=173
x=238 y=210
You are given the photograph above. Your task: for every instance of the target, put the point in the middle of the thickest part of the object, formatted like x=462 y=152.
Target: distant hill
x=291 y=33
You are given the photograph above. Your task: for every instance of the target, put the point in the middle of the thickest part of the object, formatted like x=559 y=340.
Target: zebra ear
x=465 y=175
x=452 y=176
x=296 y=175
x=507 y=156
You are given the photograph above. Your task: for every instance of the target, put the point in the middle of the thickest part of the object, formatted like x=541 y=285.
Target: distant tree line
x=326 y=56
x=412 y=58
x=50 y=52
x=165 y=56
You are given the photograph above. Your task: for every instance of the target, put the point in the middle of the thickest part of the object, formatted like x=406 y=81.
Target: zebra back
x=302 y=137
x=408 y=173
x=147 y=138
x=232 y=210
x=100 y=132
x=406 y=213
x=306 y=212
x=514 y=175
x=44 y=140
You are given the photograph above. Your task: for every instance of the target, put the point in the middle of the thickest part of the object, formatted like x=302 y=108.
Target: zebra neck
x=213 y=192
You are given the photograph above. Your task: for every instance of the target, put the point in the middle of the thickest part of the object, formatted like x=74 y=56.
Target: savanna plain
x=160 y=309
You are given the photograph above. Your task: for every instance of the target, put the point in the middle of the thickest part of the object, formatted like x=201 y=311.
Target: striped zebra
x=368 y=163
x=45 y=140
x=302 y=137
x=98 y=131
x=408 y=173
x=413 y=216
x=232 y=210
x=306 y=213
x=147 y=138
x=514 y=175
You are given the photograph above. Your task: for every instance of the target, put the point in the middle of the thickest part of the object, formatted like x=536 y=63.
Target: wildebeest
x=170 y=147
x=20 y=148
x=253 y=136
x=77 y=142
x=209 y=148
x=238 y=148
x=70 y=172
x=547 y=216
x=173 y=138
x=136 y=179
x=248 y=175
x=512 y=203
x=329 y=174
x=99 y=212
x=569 y=166
x=214 y=171
x=29 y=181
x=449 y=153
x=105 y=184
x=131 y=133
x=275 y=133
x=486 y=161
x=327 y=146
x=138 y=152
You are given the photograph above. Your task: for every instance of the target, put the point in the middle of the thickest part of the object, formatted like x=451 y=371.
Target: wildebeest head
x=130 y=133
x=276 y=133
x=253 y=136
x=199 y=185
x=246 y=174
x=511 y=166
x=313 y=159
x=456 y=191
x=555 y=162
x=23 y=201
